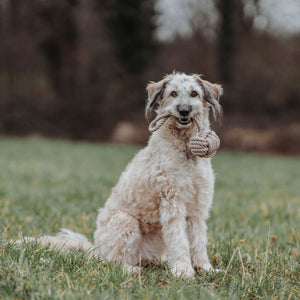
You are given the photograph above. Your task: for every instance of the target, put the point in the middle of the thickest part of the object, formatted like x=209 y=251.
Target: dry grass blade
x=229 y=264
x=266 y=259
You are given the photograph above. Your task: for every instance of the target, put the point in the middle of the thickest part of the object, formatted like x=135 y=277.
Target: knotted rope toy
x=203 y=142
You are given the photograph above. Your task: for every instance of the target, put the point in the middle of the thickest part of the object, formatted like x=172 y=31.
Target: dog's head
x=184 y=97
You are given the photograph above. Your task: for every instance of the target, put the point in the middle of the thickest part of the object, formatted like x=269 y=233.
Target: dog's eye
x=194 y=94
x=174 y=94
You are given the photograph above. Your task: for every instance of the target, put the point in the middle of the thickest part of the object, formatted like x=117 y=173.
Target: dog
x=158 y=209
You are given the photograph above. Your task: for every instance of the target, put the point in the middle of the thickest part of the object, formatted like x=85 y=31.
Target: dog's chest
x=186 y=182
x=187 y=177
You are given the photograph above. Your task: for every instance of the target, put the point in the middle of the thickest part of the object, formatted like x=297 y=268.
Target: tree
x=227 y=40
x=132 y=29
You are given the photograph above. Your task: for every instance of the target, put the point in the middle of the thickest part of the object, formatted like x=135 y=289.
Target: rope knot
x=204 y=143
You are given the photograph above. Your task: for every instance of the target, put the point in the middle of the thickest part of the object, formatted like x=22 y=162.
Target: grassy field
x=253 y=228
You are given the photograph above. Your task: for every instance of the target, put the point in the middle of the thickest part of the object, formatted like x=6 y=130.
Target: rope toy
x=203 y=142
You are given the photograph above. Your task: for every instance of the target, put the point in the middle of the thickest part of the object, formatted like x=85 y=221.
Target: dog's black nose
x=184 y=110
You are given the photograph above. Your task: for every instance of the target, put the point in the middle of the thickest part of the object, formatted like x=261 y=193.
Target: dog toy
x=203 y=142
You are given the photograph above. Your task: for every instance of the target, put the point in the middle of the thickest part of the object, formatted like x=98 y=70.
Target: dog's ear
x=155 y=91
x=211 y=94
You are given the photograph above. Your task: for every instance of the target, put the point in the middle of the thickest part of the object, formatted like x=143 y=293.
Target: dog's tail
x=66 y=239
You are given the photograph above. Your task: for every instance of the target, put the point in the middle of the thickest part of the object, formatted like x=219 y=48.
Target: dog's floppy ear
x=155 y=91
x=211 y=94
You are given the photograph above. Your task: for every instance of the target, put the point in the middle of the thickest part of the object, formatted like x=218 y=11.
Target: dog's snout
x=184 y=110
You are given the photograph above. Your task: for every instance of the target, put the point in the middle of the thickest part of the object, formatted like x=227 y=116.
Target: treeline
x=75 y=69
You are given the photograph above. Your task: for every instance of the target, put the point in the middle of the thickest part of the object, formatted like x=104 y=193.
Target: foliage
x=44 y=185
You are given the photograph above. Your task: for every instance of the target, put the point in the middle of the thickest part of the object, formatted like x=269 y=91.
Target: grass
x=253 y=229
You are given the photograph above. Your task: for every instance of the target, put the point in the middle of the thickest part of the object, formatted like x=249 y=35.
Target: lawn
x=253 y=229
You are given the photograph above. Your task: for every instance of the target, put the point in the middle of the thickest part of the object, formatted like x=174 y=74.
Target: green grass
x=46 y=185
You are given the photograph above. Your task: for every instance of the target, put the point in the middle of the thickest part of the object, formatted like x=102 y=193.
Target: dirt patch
x=277 y=140
x=130 y=133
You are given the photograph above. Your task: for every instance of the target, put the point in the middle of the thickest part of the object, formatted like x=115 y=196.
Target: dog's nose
x=184 y=110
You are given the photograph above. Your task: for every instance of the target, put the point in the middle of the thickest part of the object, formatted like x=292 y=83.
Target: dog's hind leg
x=118 y=238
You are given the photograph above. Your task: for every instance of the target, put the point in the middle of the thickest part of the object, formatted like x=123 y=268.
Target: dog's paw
x=207 y=267
x=183 y=269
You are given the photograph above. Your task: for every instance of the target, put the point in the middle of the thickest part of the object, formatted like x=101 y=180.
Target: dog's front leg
x=196 y=229
x=172 y=218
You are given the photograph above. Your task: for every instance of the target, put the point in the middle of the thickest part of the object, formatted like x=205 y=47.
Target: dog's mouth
x=184 y=121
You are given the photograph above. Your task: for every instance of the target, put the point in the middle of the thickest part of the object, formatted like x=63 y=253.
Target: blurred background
x=77 y=69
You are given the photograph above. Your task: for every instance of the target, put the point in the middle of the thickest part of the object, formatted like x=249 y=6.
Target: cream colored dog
x=158 y=208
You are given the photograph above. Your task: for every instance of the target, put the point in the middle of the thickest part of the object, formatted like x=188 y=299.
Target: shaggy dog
x=158 y=208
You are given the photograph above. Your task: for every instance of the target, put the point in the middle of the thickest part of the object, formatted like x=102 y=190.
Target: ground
x=253 y=229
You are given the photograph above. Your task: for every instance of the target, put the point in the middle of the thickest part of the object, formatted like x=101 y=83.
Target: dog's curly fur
x=158 y=208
